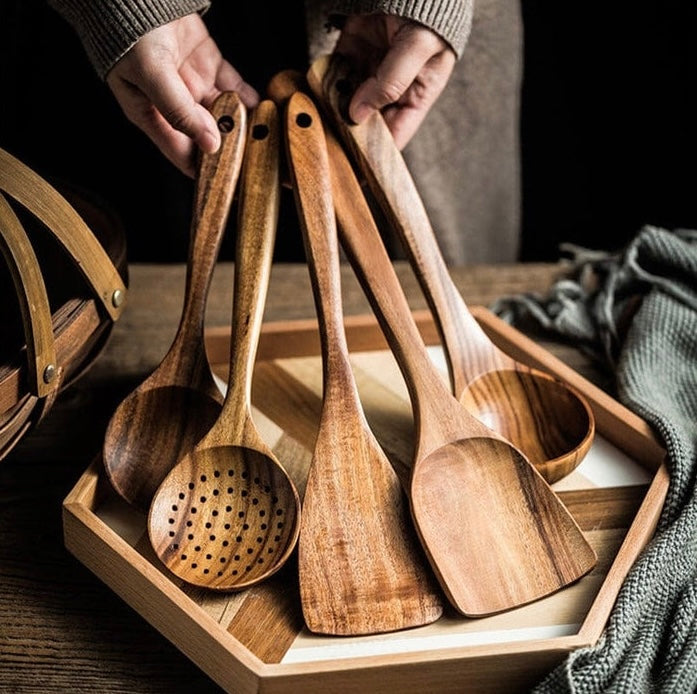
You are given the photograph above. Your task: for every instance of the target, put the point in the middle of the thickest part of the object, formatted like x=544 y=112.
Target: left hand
x=407 y=64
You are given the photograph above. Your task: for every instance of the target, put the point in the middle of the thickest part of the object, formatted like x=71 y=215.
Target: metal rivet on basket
x=117 y=298
x=49 y=373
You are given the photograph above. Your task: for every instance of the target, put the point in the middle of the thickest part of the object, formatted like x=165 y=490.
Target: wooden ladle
x=496 y=534
x=228 y=516
x=361 y=567
x=176 y=405
x=546 y=418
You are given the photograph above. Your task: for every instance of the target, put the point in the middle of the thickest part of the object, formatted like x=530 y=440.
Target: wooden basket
x=65 y=274
x=255 y=641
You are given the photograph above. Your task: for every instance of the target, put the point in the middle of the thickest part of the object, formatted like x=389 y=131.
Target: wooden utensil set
x=476 y=521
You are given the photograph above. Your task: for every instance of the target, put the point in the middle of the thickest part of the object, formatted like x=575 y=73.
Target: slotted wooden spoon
x=228 y=515
x=361 y=568
x=176 y=405
x=546 y=418
x=495 y=533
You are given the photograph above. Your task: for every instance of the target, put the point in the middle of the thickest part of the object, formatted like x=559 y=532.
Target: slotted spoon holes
x=225 y=528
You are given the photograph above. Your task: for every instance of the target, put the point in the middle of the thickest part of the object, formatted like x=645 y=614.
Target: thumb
x=174 y=101
x=412 y=48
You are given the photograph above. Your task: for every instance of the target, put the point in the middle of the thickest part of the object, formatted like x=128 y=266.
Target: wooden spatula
x=495 y=532
x=361 y=567
x=549 y=420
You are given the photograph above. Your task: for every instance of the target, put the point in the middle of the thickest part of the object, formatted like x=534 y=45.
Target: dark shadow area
x=608 y=121
x=61 y=120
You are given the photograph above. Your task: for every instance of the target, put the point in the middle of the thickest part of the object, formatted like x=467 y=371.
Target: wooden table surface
x=61 y=628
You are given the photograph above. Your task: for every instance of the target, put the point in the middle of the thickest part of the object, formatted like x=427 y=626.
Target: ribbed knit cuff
x=108 y=29
x=450 y=19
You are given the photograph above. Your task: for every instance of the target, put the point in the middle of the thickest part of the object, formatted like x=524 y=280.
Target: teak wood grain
x=199 y=627
x=530 y=546
x=169 y=412
x=361 y=568
x=544 y=417
x=227 y=515
x=118 y=631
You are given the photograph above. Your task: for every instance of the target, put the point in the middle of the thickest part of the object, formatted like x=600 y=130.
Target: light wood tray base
x=255 y=641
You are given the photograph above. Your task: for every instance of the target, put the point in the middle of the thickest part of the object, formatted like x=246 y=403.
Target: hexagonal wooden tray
x=255 y=641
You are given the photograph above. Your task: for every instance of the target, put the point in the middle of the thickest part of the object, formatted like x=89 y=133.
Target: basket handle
x=42 y=373
x=49 y=206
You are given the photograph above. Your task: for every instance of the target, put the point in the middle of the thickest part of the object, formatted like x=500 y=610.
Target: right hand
x=165 y=82
x=405 y=65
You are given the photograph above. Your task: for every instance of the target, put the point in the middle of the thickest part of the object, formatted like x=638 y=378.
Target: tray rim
x=206 y=643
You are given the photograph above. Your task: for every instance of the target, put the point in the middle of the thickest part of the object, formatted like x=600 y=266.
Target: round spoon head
x=150 y=431
x=546 y=419
x=554 y=440
x=170 y=412
x=472 y=502
x=225 y=518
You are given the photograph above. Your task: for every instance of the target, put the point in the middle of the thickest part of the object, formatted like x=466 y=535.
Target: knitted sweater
x=650 y=644
x=108 y=29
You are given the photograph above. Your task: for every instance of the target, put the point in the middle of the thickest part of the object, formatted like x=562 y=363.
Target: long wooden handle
x=51 y=208
x=390 y=181
x=42 y=368
x=309 y=167
x=215 y=187
x=363 y=244
x=256 y=232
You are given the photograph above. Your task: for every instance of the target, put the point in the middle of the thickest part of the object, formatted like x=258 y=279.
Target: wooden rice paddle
x=227 y=516
x=546 y=418
x=361 y=568
x=495 y=533
x=176 y=405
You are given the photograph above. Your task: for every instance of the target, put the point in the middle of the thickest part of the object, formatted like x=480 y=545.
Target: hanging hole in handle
x=226 y=124
x=260 y=131
x=304 y=120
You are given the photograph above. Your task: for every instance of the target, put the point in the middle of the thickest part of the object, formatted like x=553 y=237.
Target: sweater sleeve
x=450 y=19
x=109 y=28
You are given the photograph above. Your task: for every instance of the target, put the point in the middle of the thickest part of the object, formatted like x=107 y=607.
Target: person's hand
x=406 y=67
x=165 y=82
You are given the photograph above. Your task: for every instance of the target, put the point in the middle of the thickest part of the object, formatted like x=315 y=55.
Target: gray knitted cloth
x=637 y=310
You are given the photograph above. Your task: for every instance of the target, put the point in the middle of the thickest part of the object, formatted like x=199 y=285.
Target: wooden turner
x=361 y=568
x=495 y=532
x=546 y=418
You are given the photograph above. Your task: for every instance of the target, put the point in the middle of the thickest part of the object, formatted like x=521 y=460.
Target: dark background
x=608 y=122
x=609 y=140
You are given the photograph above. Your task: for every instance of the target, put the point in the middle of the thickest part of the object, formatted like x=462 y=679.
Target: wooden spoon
x=177 y=404
x=361 y=568
x=228 y=515
x=495 y=533
x=546 y=418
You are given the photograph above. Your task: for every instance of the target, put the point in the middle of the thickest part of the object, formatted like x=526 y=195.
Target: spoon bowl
x=228 y=515
x=132 y=437
x=557 y=427
x=540 y=415
x=224 y=516
x=169 y=412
